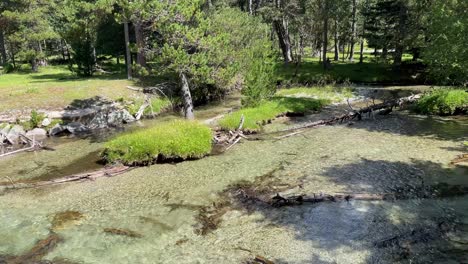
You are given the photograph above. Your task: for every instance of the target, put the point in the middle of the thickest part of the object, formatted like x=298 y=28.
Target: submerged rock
x=65 y=219
x=123 y=232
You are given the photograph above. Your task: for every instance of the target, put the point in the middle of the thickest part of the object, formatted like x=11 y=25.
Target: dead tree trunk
x=186 y=97
x=283 y=39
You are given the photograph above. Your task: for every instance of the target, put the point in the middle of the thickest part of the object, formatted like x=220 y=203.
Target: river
x=190 y=212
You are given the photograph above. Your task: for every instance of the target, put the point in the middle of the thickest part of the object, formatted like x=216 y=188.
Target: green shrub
x=256 y=117
x=172 y=140
x=259 y=83
x=443 y=102
x=36 y=119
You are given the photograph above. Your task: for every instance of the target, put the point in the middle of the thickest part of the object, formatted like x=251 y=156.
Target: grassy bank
x=256 y=117
x=55 y=87
x=178 y=139
x=332 y=93
x=444 y=102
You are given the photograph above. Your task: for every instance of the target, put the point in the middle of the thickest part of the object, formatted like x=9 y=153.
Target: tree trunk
x=63 y=50
x=337 y=53
x=34 y=65
x=361 y=54
x=325 y=35
x=3 y=53
x=250 y=7
x=353 y=32
x=187 y=98
x=400 y=35
x=128 y=57
x=283 y=39
x=140 y=41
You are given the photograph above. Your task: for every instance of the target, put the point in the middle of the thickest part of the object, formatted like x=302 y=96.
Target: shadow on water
x=427 y=225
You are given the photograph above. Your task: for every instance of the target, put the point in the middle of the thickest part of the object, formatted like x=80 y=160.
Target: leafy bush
x=255 y=117
x=36 y=119
x=173 y=140
x=443 y=102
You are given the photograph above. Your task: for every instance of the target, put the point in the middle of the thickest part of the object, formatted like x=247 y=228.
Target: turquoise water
x=157 y=209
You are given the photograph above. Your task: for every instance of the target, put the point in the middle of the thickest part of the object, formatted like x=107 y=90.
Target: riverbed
x=159 y=214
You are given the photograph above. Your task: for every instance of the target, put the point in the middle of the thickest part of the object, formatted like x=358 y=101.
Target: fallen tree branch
x=279 y=201
x=358 y=114
x=461 y=158
x=106 y=172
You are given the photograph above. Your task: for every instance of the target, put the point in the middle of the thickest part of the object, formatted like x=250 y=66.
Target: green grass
x=332 y=93
x=158 y=105
x=256 y=117
x=180 y=139
x=55 y=87
x=311 y=71
x=443 y=102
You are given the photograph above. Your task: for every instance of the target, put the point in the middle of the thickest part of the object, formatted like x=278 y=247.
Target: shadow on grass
x=311 y=72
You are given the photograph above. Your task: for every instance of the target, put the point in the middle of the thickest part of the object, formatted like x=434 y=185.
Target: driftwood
x=106 y=172
x=385 y=107
x=233 y=137
x=279 y=201
x=33 y=146
x=460 y=159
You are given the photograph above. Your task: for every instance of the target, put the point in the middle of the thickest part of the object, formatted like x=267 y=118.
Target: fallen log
x=106 y=172
x=279 y=201
x=460 y=159
x=386 y=107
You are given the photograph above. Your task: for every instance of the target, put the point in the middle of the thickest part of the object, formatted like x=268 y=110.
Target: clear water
x=161 y=203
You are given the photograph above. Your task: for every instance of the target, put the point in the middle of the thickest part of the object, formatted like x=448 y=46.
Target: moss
x=180 y=139
x=443 y=102
x=256 y=117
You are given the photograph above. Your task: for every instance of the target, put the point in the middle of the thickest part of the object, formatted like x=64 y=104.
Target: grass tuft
x=443 y=102
x=180 y=139
x=256 y=117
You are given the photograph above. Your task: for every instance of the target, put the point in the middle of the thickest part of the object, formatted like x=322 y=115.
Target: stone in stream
x=56 y=130
x=76 y=128
x=46 y=122
x=37 y=133
x=113 y=118
x=14 y=133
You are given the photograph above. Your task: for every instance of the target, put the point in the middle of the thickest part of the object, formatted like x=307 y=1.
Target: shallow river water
x=180 y=213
